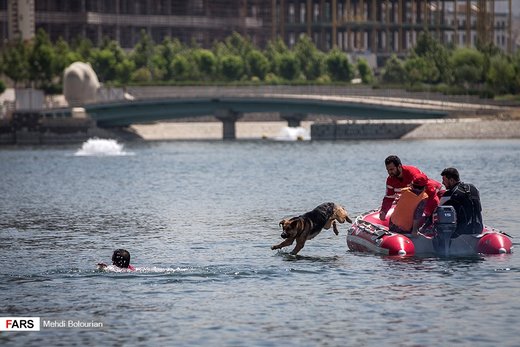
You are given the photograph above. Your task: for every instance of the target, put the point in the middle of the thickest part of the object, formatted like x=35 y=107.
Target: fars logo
x=19 y=323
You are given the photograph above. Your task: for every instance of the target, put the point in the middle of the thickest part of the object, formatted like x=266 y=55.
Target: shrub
x=338 y=66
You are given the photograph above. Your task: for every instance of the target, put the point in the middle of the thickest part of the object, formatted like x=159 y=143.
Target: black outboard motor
x=445 y=224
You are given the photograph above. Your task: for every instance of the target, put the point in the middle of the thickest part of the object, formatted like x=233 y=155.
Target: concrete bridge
x=294 y=104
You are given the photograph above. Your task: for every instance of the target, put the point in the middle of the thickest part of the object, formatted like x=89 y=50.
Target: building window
x=92 y=6
x=75 y=32
x=327 y=41
x=92 y=34
x=108 y=32
x=196 y=7
x=316 y=13
x=75 y=6
x=302 y=13
x=409 y=13
x=291 y=13
x=140 y=7
x=327 y=12
x=254 y=11
x=124 y=8
x=126 y=37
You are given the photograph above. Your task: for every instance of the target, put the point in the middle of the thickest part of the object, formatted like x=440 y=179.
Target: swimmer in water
x=121 y=259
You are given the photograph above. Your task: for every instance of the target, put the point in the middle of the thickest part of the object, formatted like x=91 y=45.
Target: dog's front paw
x=275 y=247
x=335 y=228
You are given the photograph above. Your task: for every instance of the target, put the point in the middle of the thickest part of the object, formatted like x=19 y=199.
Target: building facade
x=370 y=26
x=200 y=21
x=382 y=26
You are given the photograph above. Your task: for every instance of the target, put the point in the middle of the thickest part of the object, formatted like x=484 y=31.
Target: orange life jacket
x=405 y=208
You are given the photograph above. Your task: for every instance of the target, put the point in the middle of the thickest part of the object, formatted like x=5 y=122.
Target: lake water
x=199 y=218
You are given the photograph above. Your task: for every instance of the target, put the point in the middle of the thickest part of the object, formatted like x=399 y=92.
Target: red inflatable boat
x=368 y=233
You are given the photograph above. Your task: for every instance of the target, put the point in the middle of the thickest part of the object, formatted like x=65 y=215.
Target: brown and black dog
x=310 y=224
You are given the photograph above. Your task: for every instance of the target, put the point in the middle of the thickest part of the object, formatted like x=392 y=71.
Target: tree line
x=40 y=64
x=484 y=70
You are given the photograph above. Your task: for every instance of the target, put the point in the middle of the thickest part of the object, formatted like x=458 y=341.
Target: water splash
x=151 y=270
x=101 y=147
x=293 y=134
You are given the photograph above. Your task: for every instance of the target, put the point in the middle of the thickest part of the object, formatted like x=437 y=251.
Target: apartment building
x=379 y=27
x=382 y=26
x=200 y=21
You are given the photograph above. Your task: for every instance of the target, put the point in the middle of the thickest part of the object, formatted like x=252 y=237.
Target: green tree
x=104 y=63
x=289 y=66
x=124 y=71
x=420 y=69
x=43 y=61
x=429 y=48
x=182 y=68
x=165 y=53
x=141 y=75
x=105 y=60
x=16 y=62
x=311 y=60
x=257 y=64
x=365 y=71
x=238 y=45
x=206 y=63
x=489 y=51
x=273 y=52
x=2 y=87
x=275 y=47
x=394 y=71
x=231 y=67
x=64 y=56
x=143 y=53
x=468 y=70
x=501 y=75
x=82 y=47
x=516 y=66
x=338 y=66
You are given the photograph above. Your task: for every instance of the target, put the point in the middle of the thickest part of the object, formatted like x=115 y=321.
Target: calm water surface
x=199 y=219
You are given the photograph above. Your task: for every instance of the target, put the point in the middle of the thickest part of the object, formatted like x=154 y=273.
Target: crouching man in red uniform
x=401 y=176
x=408 y=212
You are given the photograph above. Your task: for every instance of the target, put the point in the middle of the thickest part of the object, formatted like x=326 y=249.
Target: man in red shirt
x=401 y=176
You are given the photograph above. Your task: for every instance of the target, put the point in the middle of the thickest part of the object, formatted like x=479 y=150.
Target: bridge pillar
x=228 y=118
x=293 y=119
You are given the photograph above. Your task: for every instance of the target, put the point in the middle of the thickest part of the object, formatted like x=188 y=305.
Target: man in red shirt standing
x=401 y=176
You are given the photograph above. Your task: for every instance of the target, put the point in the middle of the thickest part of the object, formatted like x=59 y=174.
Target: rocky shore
x=464 y=128
x=467 y=129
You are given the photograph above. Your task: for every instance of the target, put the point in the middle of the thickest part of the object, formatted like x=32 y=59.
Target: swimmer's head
x=121 y=258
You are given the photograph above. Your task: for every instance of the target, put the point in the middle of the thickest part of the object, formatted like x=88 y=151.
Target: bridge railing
x=424 y=98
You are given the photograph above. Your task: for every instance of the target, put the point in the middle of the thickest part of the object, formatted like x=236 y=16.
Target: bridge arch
x=228 y=109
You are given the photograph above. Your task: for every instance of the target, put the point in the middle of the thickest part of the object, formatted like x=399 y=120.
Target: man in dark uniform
x=465 y=198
